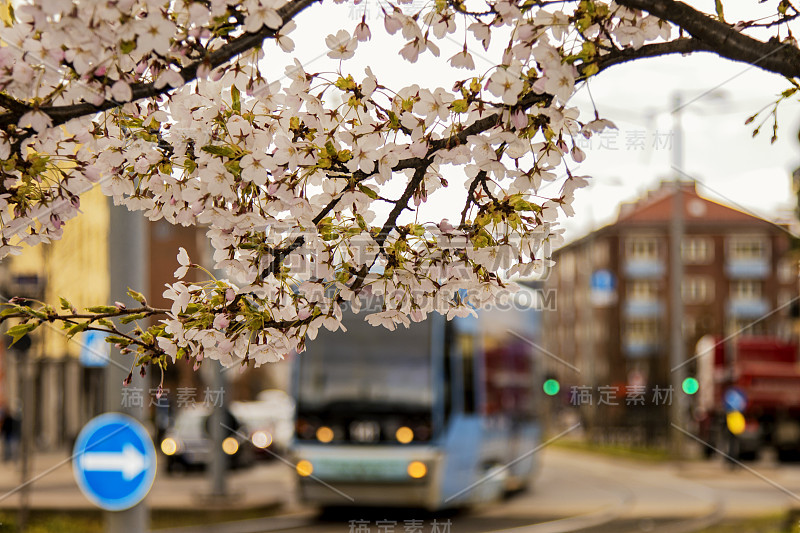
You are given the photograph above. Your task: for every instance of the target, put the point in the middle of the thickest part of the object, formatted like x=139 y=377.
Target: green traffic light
x=551 y=387
x=690 y=386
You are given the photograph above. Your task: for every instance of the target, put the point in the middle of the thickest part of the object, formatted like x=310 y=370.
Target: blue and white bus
x=442 y=414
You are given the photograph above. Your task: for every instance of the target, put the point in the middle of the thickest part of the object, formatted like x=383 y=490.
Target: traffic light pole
x=676 y=342
x=127 y=262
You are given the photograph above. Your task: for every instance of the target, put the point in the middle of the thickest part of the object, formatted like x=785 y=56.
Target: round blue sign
x=114 y=461
x=734 y=400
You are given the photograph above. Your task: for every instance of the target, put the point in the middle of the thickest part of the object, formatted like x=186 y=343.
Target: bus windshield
x=367 y=369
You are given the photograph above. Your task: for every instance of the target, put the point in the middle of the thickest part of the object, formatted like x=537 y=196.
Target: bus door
x=463 y=436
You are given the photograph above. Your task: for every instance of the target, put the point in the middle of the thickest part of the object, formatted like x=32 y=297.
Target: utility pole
x=127 y=263
x=26 y=445
x=27 y=418
x=676 y=231
x=218 y=461
x=214 y=375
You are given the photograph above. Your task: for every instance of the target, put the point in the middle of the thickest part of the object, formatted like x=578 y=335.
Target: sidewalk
x=266 y=484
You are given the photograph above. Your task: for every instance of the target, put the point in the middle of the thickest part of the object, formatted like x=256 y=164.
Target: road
x=584 y=492
x=574 y=491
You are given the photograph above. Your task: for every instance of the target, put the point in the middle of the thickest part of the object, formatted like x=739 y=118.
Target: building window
x=747 y=289
x=747 y=327
x=567 y=267
x=697 y=289
x=747 y=248
x=600 y=254
x=641 y=248
x=689 y=326
x=697 y=250
x=787 y=272
x=641 y=331
x=642 y=290
x=785 y=298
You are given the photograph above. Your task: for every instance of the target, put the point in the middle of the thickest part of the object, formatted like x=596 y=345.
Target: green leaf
x=236 y=97
x=720 y=13
x=344 y=156
x=139 y=297
x=330 y=149
x=126 y=47
x=77 y=328
x=130 y=318
x=33 y=313
x=102 y=309
x=394 y=121
x=225 y=151
x=369 y=192
x=233 y=167
x=460 y=106
x=346 y=84
x=20 y=330
x=590 y=70
x=65 y=304
x=9 y=311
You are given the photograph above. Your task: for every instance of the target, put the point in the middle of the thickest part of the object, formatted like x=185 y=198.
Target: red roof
x=657 y=206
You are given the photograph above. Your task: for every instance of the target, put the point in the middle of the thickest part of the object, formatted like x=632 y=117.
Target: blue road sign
x=734 y=400
x=114 y=461
x=603 y=288
x=95 y=351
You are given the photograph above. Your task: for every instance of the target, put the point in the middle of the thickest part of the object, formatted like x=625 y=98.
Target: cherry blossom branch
x=63 y=113
x=117 y=312
x=723 y=39
x=391 y=219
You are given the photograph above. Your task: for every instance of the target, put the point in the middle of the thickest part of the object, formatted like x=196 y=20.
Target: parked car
x=268 y=423
x=187 y=444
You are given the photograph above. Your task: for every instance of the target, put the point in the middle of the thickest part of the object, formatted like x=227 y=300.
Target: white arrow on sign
x=130 y=462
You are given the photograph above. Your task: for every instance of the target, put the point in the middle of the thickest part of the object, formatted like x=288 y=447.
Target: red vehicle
x=758 y=377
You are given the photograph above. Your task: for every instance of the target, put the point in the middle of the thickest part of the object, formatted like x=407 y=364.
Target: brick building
x=612 y=315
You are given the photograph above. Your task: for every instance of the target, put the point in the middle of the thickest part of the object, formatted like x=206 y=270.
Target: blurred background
x=575 y=404
x=649 y=382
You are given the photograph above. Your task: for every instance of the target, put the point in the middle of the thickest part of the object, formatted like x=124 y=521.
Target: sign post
x=128 y=267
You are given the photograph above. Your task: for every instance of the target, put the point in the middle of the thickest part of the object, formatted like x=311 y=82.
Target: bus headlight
x=324 y=434
x=230 y=446
x=304 y=468
x=169 y=446
x=261 y=439
x=417 y=469
x=404 y=435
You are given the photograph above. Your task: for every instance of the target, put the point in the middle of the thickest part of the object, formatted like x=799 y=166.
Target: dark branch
x=723 y=39
x=12 y=104
x=683 y=45
x=402 y=202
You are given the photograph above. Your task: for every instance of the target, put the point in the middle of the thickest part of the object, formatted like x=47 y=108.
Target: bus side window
x=466 y=345
x=448 y=369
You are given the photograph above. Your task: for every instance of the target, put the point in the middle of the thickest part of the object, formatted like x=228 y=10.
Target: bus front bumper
x=369 y=476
